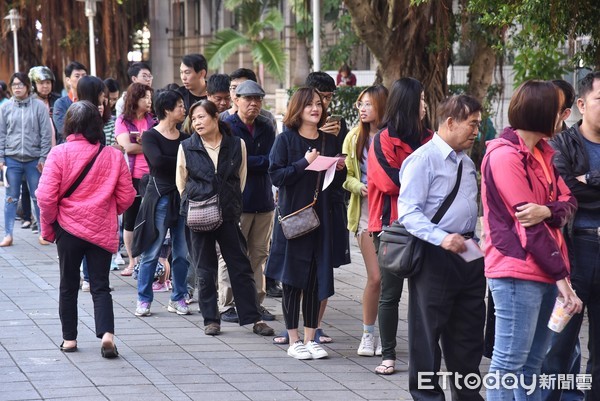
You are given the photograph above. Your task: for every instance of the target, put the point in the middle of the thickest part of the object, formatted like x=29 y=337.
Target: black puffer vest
x=203 y=181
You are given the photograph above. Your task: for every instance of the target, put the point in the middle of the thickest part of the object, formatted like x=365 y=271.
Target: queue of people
x=195 y=167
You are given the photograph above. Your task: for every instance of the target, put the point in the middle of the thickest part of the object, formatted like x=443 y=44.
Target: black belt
x=588 y=231
x=468 y=235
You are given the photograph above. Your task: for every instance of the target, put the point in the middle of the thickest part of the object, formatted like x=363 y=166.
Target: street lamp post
x=316 y=9
x=90 y=13
x=14 y=19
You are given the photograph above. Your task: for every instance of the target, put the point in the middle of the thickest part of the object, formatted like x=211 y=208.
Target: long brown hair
x=300 y=99
x=378 y=95
x=135 y=92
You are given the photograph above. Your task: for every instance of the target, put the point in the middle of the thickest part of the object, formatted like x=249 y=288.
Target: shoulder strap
x=320 y=172
x=86 y=170
x=450 y=198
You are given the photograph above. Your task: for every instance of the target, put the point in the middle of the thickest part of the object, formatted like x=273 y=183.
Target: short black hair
x=135 y=69
x=567 y=90
x=84 y=118
x=112 y=85
x=586 y=85
x=172 y=86
x=23 y=77
x=218 y=83
x=459 y=107
x=166 y=100
x=72 y=66
x=196 y=61
x=321 y=81
x=243 y=73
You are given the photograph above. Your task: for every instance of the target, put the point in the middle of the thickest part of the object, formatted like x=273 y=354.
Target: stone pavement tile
x=265 y=384
x=70 y=392
x=187 y=377
x=208 y=387
x=320 y=395
x=236 y=378
x=292 y=377
x=208 y=355
x=10 y=374
x=154 y=356
x=306 y=385
x=283 y=395
x=61 y=381
x=396 y=394
x=24 y=391
x=169 y=366
x=223 y=366
x=217 y=396
x=273 y=353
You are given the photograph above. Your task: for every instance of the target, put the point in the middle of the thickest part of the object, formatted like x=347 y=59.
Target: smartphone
x=334 y=118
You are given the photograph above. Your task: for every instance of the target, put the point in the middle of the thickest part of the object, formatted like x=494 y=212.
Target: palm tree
x=255 y=17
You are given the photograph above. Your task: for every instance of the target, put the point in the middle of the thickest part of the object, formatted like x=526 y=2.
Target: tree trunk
x=481 y=69
x=301 y=63
x=408 y=41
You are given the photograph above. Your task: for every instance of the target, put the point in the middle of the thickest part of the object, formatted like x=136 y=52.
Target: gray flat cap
x=249 y=88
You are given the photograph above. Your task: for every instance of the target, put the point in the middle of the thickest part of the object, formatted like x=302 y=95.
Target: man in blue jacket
x=257 y=218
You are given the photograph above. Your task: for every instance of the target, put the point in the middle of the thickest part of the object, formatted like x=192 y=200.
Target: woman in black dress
x=304 y=265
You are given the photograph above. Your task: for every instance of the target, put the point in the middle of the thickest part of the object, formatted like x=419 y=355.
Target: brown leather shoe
x=212 y=329
x=7 y=241
x=263 y=329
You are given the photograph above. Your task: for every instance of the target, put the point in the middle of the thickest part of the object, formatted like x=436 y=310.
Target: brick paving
x=168 y=357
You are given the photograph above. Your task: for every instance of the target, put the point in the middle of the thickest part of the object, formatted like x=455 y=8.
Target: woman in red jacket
x=82 y=219
x=404 y=131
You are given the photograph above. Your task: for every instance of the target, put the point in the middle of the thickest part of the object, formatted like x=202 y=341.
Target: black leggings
x=310 y=302
x=131 y=214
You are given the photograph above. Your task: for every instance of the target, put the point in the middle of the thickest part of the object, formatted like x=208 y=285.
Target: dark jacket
x=202 y=181
x=258 y=192
x=289 y=260
x=571 y=160
x=145 y=231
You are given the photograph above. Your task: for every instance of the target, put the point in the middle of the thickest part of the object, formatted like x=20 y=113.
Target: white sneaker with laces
x=378 y=349
x=298 y=350
x=367 y=345
x=315 y=350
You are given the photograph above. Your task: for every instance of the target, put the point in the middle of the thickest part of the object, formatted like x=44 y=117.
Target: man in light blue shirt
x=446 y=296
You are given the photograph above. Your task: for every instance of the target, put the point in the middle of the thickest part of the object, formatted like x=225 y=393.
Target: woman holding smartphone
x=136 y=118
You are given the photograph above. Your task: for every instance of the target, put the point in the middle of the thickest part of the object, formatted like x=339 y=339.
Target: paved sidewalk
x=168 y=357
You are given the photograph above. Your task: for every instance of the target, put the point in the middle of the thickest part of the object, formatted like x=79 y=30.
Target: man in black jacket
x=577 y=159
x=256 y=221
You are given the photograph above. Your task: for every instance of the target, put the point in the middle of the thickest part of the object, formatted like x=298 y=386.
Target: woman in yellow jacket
x=371 y=105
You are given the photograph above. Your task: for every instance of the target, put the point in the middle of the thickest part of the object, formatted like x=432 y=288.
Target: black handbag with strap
x=400 y=252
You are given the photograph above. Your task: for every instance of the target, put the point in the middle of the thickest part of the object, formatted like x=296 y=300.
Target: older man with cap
x=258 y=134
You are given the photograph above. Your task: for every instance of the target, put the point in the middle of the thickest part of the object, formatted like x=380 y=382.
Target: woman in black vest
x=213 y=162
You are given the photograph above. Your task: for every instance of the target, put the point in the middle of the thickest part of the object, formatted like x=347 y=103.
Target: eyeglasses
x=252 y=98
x=147 y=76
x=327 y=96
x=18 y=85
x=232 y=87
x=360 y=105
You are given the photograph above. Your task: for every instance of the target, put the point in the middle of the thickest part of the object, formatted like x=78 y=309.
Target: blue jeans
x=149 y=258
x=15 y=170
x=585 y=278
x=523 y=309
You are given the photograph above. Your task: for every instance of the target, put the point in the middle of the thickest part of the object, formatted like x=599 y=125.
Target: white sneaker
x=298 y=350
x=119 y=259
x=367 y=345
x=378 y=349
x=315 y=350
x=85 y=286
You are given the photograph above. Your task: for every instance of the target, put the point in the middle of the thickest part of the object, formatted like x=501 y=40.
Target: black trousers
x=71 y=251
x=290 y=302
x=446 y=304
x=202 y=248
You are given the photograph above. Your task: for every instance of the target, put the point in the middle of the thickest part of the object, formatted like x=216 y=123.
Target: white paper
x=473 y=251
x=327 y=164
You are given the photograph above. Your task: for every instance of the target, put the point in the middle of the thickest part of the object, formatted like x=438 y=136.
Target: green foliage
x=539 y=63
x=543 y=26
x=256 y=18
x=343 y=102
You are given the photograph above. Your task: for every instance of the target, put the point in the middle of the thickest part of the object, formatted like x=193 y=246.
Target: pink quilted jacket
x=90 y=213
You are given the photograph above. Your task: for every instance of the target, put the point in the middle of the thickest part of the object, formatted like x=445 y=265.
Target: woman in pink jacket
x=82 y=219
x=525 y=205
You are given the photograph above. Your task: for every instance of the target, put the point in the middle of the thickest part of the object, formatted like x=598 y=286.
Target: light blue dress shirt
x=427 y=176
